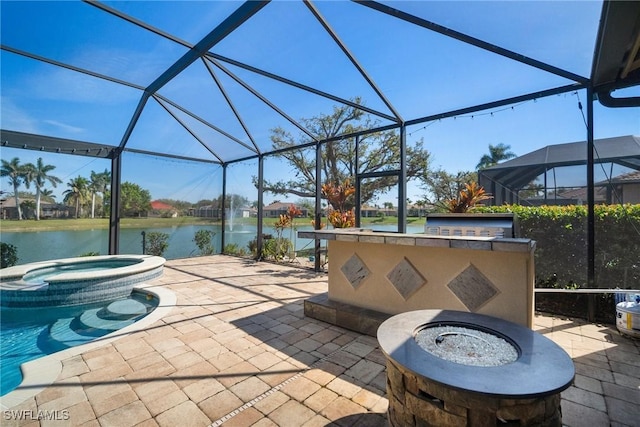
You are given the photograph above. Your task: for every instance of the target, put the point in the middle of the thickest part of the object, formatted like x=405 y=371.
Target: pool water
x=28 y=334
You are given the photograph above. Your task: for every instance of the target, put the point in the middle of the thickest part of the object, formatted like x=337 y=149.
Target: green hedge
x=560 y=233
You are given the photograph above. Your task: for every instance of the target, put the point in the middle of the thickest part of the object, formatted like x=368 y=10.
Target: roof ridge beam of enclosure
x=67 y=146
x=316 y=13
x=300 y=86
x=210 y=125
x=233 y=108
x=159 y=97
x=238 y=64
x=263 y=98
x=471 y=40
x=245 y=11
x=185 y=127
x=233 y=21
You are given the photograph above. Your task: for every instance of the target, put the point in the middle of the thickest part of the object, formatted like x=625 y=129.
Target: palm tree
x=38 y=174
x=77 y=192
x=99 y=184
x=497 y=153
x=15 y=171
x=48 y=195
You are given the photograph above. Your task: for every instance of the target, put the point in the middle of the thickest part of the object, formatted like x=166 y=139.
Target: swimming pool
x=27 y=334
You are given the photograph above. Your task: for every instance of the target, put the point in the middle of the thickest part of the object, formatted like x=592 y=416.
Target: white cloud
x=65 y=127
x=15 y=118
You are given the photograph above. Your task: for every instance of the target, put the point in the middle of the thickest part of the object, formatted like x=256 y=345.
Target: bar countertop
x=364 y=235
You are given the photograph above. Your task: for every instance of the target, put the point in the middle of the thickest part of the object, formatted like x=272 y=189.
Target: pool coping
x=42 y=372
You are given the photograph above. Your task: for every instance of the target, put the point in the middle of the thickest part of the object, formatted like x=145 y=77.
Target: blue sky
x=421 y=73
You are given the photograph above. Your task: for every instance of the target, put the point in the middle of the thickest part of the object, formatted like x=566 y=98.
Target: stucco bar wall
x=393 y=273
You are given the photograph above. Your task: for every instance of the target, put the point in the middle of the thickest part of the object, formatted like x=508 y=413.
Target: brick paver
x=237 y=350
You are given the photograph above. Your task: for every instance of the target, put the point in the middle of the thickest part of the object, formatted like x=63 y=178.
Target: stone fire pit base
x=416 y=401
x=437 y=378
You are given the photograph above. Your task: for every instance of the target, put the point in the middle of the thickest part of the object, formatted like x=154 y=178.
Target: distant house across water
x=275 y=209
x=8 y=209
x=163 y=210
x=210 y=211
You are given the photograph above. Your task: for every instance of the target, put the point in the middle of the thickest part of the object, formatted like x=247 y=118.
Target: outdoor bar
x=373 y=275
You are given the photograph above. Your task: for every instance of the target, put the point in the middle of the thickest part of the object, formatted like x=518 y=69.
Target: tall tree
x=77 y=193
x=497 y=153
x=377 y=152
x=99 y=183
x=134 y=199
x=15 y=171
x=39 y=175
x=441 y=186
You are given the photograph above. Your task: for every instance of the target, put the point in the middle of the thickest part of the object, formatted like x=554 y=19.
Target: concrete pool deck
x=235 y=349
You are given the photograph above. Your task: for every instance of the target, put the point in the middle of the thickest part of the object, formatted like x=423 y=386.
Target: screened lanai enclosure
x=220 y=116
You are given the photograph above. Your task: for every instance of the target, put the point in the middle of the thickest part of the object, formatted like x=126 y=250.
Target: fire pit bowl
x=455 y=368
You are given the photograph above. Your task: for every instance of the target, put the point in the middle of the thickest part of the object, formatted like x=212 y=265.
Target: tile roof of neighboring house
x=368 y=208
x=581 y=193
x=10 y=202
x=161 y=206
x=276 y=206
x=625 y=178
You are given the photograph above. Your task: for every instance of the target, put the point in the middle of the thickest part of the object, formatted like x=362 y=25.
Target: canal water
x=45 y=245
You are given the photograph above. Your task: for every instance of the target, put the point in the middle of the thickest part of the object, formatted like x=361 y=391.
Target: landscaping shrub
x=8 y=255
x=276 y=249
x=253 y=245
x=91 y=253
x=234 y=249
x=156 y=243
x=560 y=233
x=203 y=241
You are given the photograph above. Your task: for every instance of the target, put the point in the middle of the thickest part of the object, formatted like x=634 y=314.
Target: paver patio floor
x=237 y=350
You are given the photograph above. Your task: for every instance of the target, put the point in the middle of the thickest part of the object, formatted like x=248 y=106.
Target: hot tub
x=74 y=281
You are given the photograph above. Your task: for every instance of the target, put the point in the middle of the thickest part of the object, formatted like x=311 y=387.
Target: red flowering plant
x=342 y=219
x=339 y=197
x=469 y=197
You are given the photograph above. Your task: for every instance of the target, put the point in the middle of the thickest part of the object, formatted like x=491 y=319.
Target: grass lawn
x=89 y=223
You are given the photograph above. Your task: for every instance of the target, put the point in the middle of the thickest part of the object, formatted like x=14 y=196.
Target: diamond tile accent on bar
x=406 y=279
x=355 y=270
x=473 y=288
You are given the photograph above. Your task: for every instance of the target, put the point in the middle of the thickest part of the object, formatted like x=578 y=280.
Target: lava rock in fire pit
x=466 y=346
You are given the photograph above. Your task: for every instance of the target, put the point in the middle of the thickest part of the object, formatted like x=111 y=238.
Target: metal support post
x=114 y=213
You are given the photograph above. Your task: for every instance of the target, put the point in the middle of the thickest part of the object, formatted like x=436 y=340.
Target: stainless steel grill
x=472 y=225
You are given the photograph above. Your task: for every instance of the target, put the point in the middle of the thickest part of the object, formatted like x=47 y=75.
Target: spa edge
x=373 y=275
